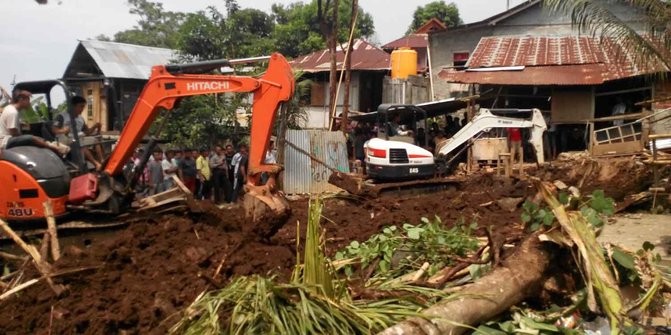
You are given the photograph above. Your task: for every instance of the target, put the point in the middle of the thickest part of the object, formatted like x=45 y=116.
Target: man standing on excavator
x=86 y=138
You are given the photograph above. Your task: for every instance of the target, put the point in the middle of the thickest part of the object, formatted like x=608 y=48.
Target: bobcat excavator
x=396 y=162
x=31 y=176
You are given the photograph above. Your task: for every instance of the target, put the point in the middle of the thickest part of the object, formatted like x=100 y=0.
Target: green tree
x=297 y=31
x=240 y=33
x=597 y=18
x=448 y=14
x=203 y=120
x=156 y=26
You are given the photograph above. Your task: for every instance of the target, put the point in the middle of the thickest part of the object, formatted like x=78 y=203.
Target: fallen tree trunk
x=520 y=276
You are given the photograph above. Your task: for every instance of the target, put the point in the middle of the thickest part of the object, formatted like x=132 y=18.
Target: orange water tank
x=403 y=63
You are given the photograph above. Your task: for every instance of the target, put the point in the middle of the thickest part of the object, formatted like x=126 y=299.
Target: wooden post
x=51 y=228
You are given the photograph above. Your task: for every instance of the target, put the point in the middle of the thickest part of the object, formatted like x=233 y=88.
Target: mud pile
x=150 y=270
x=617 y=177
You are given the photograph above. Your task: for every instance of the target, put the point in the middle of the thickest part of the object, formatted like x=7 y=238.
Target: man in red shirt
x=515 y=144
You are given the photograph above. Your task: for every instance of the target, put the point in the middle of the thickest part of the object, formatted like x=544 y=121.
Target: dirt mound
x=617 y=177
x=348 y=220
x=150 y=270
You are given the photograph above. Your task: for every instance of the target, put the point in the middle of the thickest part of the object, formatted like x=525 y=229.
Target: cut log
x=519 y=277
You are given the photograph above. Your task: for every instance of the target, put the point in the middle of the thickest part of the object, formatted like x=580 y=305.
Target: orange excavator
x=31 y=176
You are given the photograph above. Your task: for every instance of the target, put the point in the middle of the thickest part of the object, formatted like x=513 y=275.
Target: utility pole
x=507 y=4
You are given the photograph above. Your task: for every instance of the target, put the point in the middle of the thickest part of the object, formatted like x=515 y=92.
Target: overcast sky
x=38 y=40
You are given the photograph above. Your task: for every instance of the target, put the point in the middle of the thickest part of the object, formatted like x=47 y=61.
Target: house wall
x=534 y=21
x=416 y=90
x=661 y=122
x=365 y=96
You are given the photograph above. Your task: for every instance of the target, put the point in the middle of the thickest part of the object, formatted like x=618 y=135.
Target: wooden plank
x=616 y=149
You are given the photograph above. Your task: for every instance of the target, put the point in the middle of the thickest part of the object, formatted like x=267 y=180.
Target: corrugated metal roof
x=365 y=56
x=561 y=60
x=120 y=60
x=301 y=174
x=589 y=74
x=410 y=41
x=535 y=51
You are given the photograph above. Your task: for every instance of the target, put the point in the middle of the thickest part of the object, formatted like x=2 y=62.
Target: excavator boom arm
x=163 y=90
x=484 y=119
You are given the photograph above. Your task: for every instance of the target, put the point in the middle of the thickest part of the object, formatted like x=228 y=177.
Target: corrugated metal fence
x=304 y=176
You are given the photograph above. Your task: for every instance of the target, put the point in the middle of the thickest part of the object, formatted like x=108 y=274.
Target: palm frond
x=596 y=18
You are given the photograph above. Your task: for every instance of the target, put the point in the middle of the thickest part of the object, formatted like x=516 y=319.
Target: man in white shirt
x=170 y=169
x=10 y=126
x=619 y=109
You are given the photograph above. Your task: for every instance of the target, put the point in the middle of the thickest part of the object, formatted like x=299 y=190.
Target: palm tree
x=651 y=49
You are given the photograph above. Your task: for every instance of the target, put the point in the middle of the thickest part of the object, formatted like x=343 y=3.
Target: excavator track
x=415 y=187
x=356 y=185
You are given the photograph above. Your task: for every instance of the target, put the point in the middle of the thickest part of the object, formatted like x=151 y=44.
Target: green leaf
x=384 y=266
x=484 y=330
x=526 y=218
x=529 y=206
x=535 y=226
x=538 y=325
x=507 y=326
x=424 y=220
x=563 y=198
x=354 y=244
x=601 y=204
x=548 y=219
x=647 y=246
x=414 y=233
x=624 y=259
x=339 y=255
x=592 y=216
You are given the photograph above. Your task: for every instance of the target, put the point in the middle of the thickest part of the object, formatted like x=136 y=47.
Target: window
x=89 y=104
x=459 y=59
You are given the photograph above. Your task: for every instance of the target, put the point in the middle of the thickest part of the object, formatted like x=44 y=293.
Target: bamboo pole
x=11 y=257
x=51 y=226
x=42 y=266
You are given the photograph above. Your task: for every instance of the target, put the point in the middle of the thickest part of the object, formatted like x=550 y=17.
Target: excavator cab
x=40 y=116
x=399 y=123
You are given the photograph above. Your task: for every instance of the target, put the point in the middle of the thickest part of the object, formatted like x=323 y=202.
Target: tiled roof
x=411 y=41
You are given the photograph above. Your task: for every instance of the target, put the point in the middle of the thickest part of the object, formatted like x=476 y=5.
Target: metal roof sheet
x=560 y=60
x=535 y=51
x=365 y=56
x=120 y=60
x=586 y=74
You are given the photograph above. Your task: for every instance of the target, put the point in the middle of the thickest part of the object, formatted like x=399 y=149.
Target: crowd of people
x=218 y=175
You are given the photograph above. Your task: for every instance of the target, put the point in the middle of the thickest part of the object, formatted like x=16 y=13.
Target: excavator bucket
x=351 y=183
x=267 y=209
x=176 y=198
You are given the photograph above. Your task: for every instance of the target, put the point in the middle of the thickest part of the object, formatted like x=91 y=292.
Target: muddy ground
x=153 y=268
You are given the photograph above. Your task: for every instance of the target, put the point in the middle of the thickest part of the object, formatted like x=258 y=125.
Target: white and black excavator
x=395 y=155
